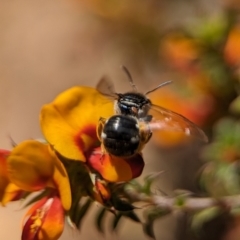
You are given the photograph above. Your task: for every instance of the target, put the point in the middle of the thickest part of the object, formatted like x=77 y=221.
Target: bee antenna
x=159 y=86
x=129 y=78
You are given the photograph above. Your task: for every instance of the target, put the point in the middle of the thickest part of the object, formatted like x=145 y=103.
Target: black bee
x=125 y=133
x=121 y=135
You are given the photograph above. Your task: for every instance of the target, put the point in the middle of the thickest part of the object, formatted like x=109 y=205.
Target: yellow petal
x=69 y=122
x=53 y=223
x=30 y=165
x=61 y=181
x=12 y=192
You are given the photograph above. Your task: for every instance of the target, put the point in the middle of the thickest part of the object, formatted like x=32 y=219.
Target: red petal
x=136 y=163
x=115 y=169
x=46 y=220
x=34 y=221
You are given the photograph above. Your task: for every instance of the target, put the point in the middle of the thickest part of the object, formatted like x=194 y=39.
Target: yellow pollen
x=37 y=218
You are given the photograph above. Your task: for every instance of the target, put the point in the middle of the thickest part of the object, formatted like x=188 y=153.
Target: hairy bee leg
x=148 y=137
x=146 y=134
x=101 y=123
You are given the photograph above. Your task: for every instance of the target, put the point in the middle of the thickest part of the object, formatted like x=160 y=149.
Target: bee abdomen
x=120 y=135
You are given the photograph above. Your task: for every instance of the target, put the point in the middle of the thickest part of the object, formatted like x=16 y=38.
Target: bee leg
x=146 y=134
x=101 y=123
x=148 y=137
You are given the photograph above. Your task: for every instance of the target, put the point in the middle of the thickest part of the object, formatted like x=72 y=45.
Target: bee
x=122 y=135
x=136 y=117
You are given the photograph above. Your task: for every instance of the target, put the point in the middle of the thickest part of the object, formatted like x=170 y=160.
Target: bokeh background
x=49 y=46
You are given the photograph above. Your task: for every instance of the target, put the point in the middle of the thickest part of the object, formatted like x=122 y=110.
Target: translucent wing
x=106 y=87
x=167 y=120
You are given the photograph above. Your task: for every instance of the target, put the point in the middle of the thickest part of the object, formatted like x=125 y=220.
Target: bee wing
x=106 y=87
x=167 y=120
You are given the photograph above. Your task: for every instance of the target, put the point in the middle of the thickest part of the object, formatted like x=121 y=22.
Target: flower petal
x=115 y=169
x=61 y=181
x=54 y=217
x=136 y=163
x=43 y=215
x=181 y=52
x=32 y=221
x=30 y=165
x=232 y=48
x=69 y=122
x=11 y=193
x=3 y=171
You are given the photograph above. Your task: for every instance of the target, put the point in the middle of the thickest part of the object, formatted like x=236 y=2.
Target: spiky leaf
x=100 y=219
x=131 y=215
x=82 y=212
x=116 y=221
x=121 y=205
x=148 y=229
x=36 y=198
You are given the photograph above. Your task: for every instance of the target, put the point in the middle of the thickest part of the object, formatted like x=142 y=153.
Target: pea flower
x=69 y=124
x=8 y=191
x=69 y=166
x=34 y=166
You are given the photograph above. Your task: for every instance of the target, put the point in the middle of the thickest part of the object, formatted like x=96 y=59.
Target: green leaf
x=235 y=106
x=121 y=205
x=155 y=213
x=148 y=181
x=133 y=184
x=220 y=179
x=148 y=229
x=131 y=215
x=211 y=31
x=24 y=195
x=116 y=221
x=224 y=130
x=235 y=211
x=228 y=174
x=75 y=208
x=180 y=201
x=204 y=216
x=213 y=152
x=151 y=215
x=100 y=219
x=81 y=213
x=36 y=198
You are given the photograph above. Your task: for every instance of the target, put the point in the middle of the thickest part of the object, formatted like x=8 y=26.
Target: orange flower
x=69 y=124
x=33 y=166
x=116 y=169
x=232 y=48
x=44 y=220
x=181 y=52
x=8 y=191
